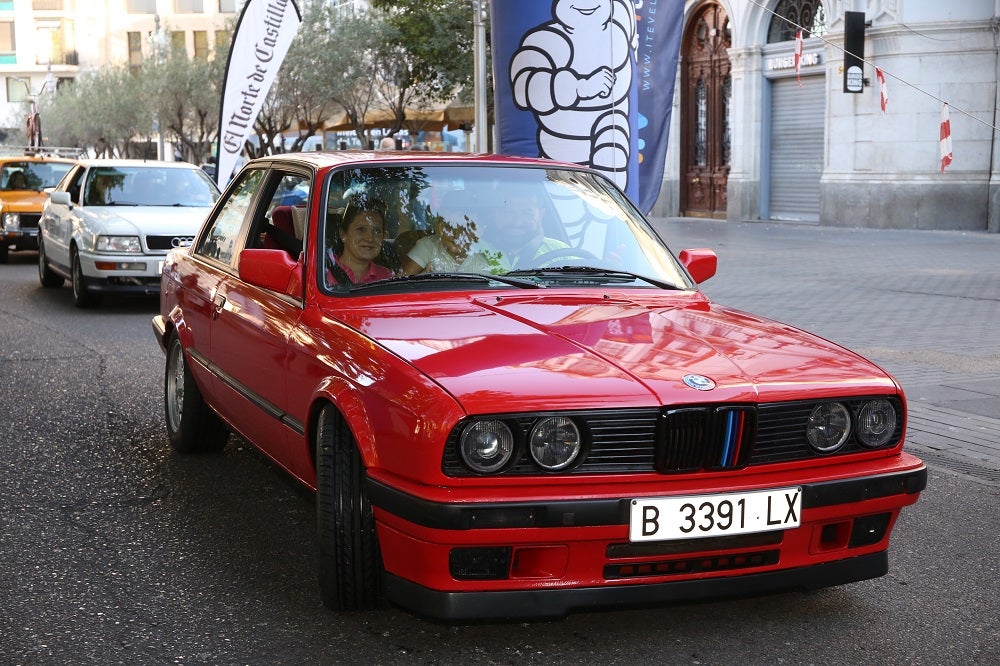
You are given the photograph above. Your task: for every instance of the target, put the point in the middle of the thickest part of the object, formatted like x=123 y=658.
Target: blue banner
x=590 y=83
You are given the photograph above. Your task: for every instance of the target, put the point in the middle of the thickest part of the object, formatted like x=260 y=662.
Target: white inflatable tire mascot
x=574 y=74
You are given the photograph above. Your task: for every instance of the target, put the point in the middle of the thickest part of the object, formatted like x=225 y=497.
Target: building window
x=200 y=44
x=189 y=6
x=140 y=6
x=790 y=14
x=135 y=51
x=178 y=42
x=227 y=6
x=223 y=39
x=6 y=5
x=7 y=37
x=55 y=42
x=17 y=89
x=47 y=5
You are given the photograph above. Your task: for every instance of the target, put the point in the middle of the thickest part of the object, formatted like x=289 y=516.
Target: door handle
x=218 y=303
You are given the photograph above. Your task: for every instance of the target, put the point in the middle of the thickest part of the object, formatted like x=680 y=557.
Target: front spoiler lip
x=609 y=512
x=555 y=603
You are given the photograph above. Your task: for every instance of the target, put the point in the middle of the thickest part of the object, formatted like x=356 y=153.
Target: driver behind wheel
x=520 y=238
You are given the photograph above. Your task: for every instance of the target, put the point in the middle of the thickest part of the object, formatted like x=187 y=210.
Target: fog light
x=479 y=563
x=869 y=529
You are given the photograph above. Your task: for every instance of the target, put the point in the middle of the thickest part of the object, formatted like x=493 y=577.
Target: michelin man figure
x=574 y=74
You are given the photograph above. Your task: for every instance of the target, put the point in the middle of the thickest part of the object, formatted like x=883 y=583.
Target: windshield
x=434 y=226
x=32 y=175
x=149 y=186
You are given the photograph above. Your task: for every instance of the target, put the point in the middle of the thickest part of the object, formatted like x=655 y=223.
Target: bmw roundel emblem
x=699 y=382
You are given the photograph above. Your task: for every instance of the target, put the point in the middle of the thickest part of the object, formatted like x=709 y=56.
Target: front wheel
x=191 y=425
x=83 y=296
x=46 y=275
x=350 y=564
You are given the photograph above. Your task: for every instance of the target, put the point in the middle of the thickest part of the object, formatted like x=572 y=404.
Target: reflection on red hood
x=567 y=350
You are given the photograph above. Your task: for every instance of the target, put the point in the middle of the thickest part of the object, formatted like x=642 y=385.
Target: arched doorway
x=706 y=91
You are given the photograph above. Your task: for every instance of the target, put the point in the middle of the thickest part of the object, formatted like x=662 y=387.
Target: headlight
x=876 y=423
x=486 y=446
x=828 y=427
x=12 y=221
x=554 y=442
x=119 y=244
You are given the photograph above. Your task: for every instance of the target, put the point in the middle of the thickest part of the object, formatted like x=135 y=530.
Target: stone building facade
x=752 y=140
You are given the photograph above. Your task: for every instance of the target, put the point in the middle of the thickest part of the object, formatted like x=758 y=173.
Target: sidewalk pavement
x=923 y=304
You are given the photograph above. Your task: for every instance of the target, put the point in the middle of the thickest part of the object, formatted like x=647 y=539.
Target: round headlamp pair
x=488 y=446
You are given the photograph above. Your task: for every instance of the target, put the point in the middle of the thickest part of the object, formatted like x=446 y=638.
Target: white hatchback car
x=109 y=224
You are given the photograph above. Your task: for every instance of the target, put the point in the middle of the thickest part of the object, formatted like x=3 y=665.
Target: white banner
x=263 y=34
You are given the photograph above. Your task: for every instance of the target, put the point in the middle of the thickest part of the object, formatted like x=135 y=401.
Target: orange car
x=23 y=181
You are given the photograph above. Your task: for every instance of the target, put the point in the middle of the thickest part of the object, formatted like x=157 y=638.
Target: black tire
x=4 y=253
x=350 y=563
x=83 y=297
x=46 y=275
x=191 y=425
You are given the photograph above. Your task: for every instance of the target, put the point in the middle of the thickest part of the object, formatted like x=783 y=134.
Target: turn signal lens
x=876 y=423
x=828 y=427
x=486 y=446
x=554 y=443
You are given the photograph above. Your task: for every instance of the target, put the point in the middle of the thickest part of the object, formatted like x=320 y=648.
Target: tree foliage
x=400 y=55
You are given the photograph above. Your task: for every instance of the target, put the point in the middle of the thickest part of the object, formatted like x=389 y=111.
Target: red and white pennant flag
x=883 y=89
x=945 y=140
x=798 y=56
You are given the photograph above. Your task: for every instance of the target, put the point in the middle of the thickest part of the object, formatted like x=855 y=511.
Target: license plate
x=694 y=516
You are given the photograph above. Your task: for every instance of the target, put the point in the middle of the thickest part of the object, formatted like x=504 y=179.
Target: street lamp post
x=158 y=43
x=479 y=80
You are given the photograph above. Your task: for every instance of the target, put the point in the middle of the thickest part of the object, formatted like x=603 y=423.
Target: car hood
x=146 y=220
x=567 y=351
x=24 y=201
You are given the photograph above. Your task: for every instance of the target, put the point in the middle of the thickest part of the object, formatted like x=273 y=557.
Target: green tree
x=102 y=109
x=434 y=39
x=346 y=62
x=183 y=94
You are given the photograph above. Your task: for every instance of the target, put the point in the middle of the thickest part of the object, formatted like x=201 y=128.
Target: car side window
x=282 y=222
x=219 y=241
x=73 y=185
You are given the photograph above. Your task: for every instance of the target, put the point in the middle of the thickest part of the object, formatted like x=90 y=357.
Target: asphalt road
x=114 y=550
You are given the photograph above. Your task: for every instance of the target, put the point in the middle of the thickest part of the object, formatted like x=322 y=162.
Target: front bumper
x=22 y=239
x=137 y=274
x=548 y=558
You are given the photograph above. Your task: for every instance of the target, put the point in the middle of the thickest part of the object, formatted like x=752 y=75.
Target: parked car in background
x=510 y=397
x=23 y=181
x=109 y=224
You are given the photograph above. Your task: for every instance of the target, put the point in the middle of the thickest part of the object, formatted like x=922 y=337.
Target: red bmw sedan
x=510 y=397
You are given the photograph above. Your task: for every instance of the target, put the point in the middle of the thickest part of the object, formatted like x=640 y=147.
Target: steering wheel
x=546 y=258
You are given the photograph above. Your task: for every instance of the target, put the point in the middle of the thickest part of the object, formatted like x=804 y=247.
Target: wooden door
x=706 y=90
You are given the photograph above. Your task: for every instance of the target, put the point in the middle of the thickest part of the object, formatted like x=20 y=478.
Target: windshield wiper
x=594 y=272
x=450 y=277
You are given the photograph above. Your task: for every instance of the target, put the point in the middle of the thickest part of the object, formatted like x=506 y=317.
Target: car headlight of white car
x=11 y=221
x=119 y=244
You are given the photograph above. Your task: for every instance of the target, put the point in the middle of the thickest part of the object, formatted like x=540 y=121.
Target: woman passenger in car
x=361 y=232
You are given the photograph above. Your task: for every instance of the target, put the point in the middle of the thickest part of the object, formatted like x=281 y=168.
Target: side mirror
x=701 y=263
x=60 y=197
x=271 y=269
